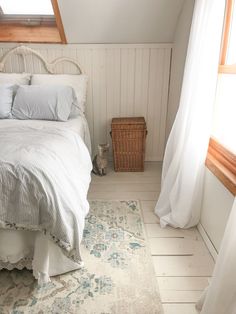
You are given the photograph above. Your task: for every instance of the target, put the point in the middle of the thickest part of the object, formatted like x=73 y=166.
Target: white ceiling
x=120 y=21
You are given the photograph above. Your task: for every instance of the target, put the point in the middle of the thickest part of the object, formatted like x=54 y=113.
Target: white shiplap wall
x=125 y=80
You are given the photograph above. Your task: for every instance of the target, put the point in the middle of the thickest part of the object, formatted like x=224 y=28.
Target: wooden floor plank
x=183 y=283
x=177 y=246
x=125 y=187
x=117 y=195
x=130 y=178
x=183 y=265
x=155 y=166
x=180 y=296
x=148 y=205
x=181 y=289
x=150 y=218
x=155 y=231
x=179 y=309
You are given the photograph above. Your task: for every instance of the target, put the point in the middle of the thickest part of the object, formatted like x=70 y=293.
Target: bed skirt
x=33 y=250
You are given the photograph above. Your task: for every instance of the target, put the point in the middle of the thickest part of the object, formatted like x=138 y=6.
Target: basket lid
x=129 y=120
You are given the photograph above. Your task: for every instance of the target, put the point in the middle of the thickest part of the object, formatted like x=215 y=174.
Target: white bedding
x=78 y=124
x=33 y=249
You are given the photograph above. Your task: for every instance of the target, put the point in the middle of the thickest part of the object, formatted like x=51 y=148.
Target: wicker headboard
x=23 y=51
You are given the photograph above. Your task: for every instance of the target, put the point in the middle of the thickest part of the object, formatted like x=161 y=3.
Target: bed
x=45 y=171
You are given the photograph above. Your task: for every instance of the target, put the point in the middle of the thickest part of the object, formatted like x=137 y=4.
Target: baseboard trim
x=207 y=241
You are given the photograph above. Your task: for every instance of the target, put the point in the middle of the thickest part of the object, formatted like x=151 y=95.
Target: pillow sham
x=15 y=78
x=42 y=102
x=77 y=82
x=6 y=99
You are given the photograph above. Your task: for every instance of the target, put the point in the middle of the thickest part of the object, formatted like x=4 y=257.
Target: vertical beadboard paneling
x=141 y=82
x=99 y=97
x=85 y=58
x=165 y=94
x=113 y=88
x=127 y=78
x=153 y=102
x=157 y=103
x=124 y=80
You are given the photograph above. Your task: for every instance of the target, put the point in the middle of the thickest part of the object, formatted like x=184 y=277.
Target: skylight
x=27 y=7
x=31 y=21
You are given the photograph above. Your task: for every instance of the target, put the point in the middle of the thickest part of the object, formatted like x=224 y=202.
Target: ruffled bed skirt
x=33 y=250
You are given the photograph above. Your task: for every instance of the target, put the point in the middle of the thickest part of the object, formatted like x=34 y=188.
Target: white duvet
x=44 y=179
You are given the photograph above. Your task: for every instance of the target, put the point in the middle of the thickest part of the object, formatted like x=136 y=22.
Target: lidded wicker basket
x=128 y=141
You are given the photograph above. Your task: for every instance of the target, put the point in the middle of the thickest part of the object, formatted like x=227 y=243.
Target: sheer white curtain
x=221 y=293
x=183 y=167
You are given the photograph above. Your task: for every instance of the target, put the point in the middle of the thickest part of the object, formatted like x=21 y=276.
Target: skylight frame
x=33 y=28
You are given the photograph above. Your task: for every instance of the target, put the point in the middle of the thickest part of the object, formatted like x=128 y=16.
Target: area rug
x=118 y=277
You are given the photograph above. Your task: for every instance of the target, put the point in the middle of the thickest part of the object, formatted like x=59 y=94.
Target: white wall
x=124 y=80
x=120 y=21
x=179 y=52
x=216 y=207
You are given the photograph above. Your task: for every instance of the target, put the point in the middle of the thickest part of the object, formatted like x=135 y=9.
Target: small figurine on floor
x=100 y=160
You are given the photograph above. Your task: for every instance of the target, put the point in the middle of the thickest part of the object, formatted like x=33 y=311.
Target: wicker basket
x=128 y=141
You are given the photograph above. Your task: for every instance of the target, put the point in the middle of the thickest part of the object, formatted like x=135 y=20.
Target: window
x=224 y=120
x=221 y=158
x=31 y=21
x=228 y=55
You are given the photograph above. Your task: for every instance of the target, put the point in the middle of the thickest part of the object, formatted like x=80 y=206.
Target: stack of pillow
x=42 y=96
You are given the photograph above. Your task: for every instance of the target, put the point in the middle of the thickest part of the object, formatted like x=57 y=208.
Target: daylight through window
x=31 y=21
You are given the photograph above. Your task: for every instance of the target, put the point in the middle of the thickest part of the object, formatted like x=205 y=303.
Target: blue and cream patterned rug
x=118 y=277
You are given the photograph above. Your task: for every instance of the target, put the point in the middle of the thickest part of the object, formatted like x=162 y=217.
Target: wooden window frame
x=221 y=161
x=223 y=67
x=35 y=34
x=59 y=21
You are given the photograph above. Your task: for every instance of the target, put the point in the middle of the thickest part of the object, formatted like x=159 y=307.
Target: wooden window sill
x=33 y=34
x=222 y=163
x=227 y=69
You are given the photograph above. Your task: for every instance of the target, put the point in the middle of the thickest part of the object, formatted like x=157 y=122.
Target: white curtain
x=183 y=167
x=221 y=293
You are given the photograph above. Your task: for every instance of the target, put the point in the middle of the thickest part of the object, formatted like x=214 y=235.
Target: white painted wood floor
x=181 y=260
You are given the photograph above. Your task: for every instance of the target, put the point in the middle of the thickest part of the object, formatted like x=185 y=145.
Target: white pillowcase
x=6 y=99
x=43 y=102
x=77 y=82
x=15 y=78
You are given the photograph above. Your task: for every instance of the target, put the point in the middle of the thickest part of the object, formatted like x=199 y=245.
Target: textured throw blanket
x=44 y=179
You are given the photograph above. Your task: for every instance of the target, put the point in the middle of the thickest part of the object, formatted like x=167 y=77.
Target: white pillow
x=77 y=82
x=6 y=99
x=43 y=102
x=15 y=78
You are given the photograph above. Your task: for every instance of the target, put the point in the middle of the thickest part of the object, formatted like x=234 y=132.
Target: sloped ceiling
x=120 y=21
